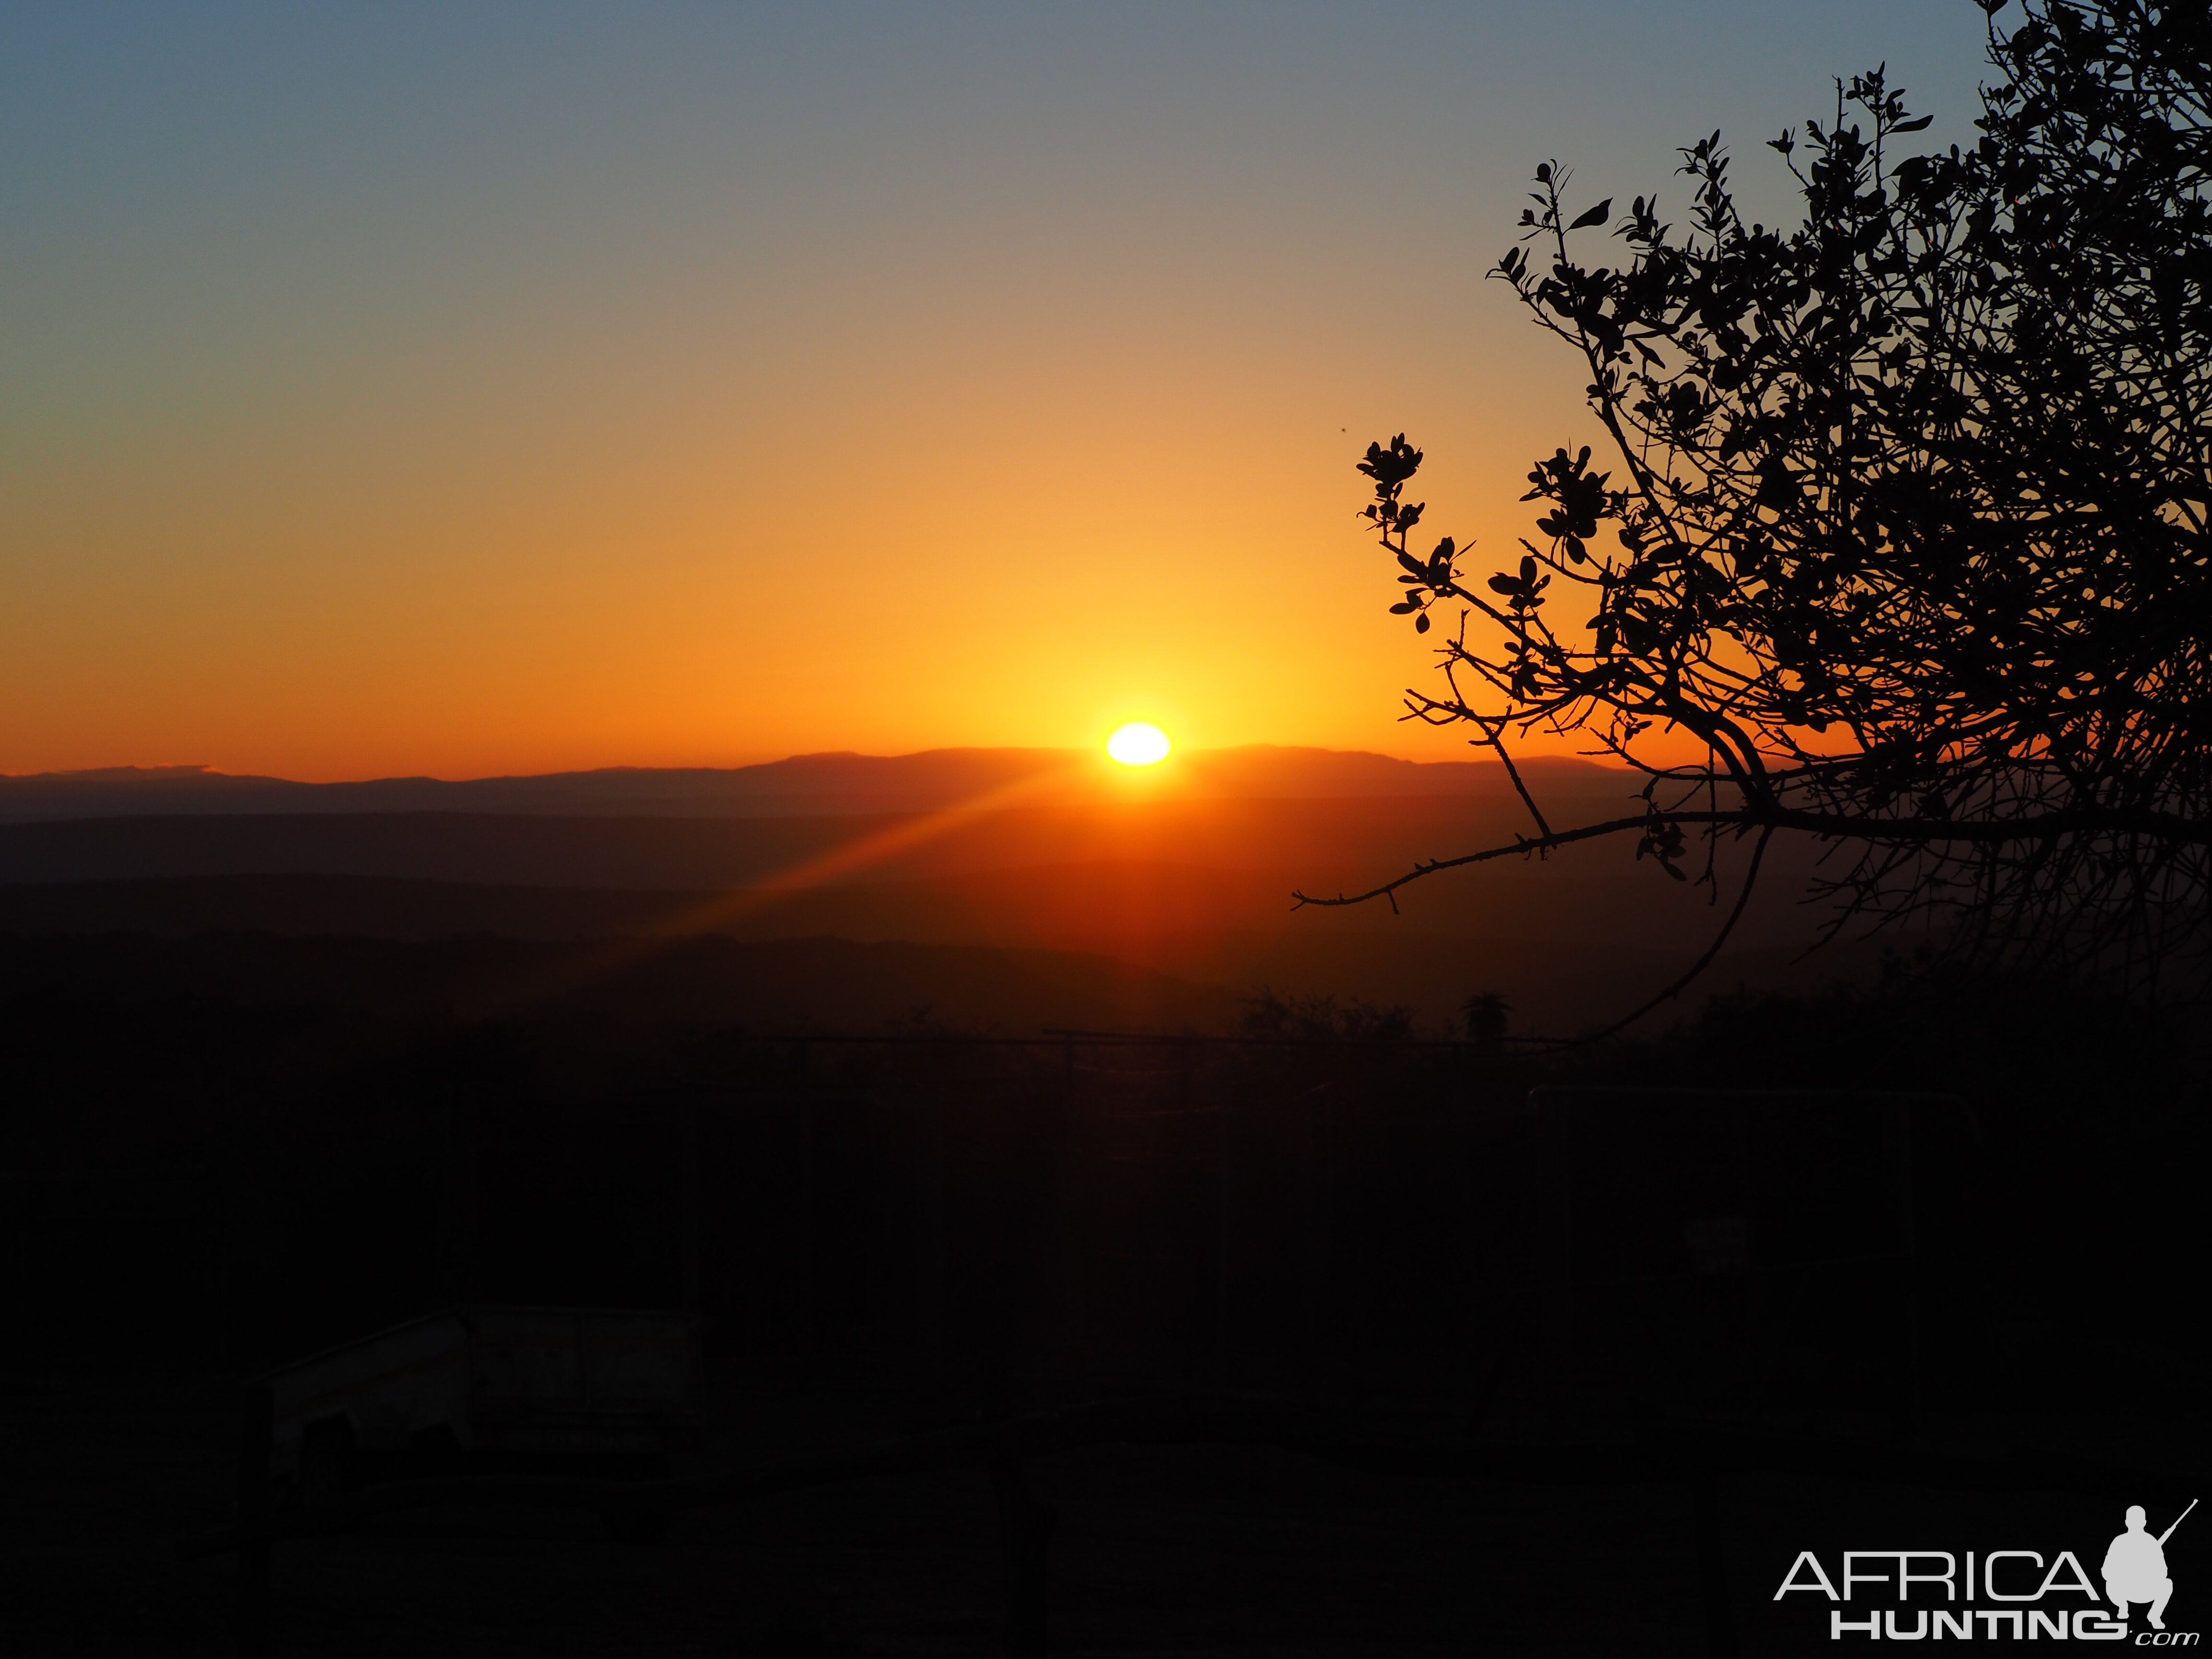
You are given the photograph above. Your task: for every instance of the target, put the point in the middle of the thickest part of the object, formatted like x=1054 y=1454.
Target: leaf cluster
x=1906 y=516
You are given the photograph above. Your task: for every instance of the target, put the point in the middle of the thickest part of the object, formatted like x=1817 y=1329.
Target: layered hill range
x=1174 y=882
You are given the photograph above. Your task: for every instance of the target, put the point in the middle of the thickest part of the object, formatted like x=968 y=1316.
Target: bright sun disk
x=1138 y=743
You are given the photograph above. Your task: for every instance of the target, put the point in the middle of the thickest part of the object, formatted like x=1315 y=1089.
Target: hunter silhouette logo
x=1998 y=1595
x=2135 y=1566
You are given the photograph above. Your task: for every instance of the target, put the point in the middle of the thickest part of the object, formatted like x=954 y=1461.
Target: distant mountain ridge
x=832 y=784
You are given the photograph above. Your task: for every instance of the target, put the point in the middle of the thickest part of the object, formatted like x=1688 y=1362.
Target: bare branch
x=1734 y=915
x=1911 y=502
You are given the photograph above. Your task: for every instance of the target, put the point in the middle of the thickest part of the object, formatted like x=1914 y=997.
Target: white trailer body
x=537 y=1382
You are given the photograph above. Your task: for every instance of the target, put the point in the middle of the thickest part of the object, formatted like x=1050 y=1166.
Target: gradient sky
x=466 y=389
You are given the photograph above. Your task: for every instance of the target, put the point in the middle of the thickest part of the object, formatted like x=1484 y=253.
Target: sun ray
x=719 y=912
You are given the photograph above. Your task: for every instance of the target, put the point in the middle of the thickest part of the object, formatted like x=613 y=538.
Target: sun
x=1138 y=744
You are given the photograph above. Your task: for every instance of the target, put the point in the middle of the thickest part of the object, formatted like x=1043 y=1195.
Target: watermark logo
x=2135 y=1566
x=1999 y=1595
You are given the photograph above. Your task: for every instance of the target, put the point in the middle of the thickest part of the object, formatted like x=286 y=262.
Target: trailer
x=480 y=1389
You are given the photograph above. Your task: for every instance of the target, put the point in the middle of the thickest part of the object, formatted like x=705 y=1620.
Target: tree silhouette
x=1906 y=507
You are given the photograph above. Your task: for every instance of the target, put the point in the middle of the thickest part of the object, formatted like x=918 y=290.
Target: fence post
x=1712 y=1570
x=1556 y=1126
x=928 y=1259
x=258 y=1425
x=1897 y=1154
x=1225 y=1214
x=1026 y=1526
x=806 y=1234
x=691 y=1274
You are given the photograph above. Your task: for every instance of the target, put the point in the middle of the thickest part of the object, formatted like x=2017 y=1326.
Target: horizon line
x=182 y=772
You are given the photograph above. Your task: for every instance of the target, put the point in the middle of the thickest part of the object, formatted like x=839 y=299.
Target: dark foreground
x=1158 y=1550
x=1937 y=1289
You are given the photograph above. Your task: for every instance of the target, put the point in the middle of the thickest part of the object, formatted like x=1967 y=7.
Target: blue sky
x=485 y=387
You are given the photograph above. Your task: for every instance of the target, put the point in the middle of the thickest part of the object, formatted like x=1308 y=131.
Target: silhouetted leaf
x=1914 y=507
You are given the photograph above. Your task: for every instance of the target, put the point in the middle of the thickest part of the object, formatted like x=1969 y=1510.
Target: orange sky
x=391 y=398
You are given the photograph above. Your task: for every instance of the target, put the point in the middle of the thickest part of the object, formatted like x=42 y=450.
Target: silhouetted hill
x=780 y=985
x=1173 y=879
x=1569 y=942
x=933 y=781
x=1322 y=843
